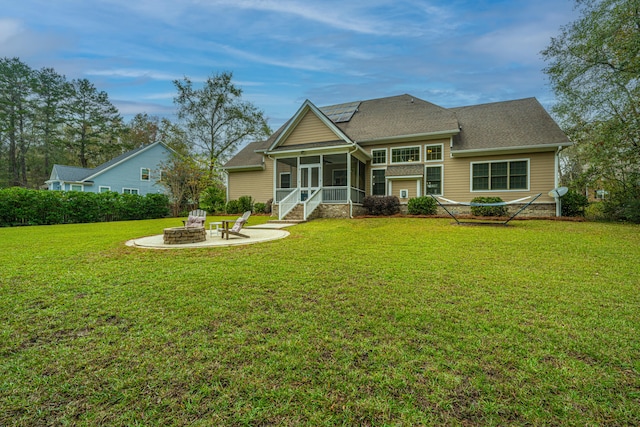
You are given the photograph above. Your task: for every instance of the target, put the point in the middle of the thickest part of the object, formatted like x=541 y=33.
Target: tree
x=93 y=123
x=217 y=120
x=51 y=91
x=594 y=69
x=16 y=90
x=142 y=130
x=185 y=178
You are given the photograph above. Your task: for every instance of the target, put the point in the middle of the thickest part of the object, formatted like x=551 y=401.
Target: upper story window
x=492 y=176
x=145 y=174
x=433 y=153
x=405 y=154
x=379 y=156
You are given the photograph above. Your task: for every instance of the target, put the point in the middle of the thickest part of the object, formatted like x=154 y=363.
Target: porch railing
x=288 y=203
x=357 y=195
x=334 y=194
x=312 y=203
x=281 y=193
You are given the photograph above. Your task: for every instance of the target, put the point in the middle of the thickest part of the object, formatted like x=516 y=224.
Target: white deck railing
x=312 y=203
x=334 y=194
x=288 y=203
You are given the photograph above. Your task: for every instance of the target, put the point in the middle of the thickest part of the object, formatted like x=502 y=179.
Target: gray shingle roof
x=522 y=123
x=508 y=124
x=72 y=173
x=247 y=157
x=395 y=117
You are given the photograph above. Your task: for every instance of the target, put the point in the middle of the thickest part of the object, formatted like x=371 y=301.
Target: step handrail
x=287 y=204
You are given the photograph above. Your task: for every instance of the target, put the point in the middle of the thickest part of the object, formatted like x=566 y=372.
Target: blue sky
x=281 y=52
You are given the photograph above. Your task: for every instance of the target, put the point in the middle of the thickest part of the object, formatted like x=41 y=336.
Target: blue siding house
x=135 y=172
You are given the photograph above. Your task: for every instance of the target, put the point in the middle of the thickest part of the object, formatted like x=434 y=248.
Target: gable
x=310 y=129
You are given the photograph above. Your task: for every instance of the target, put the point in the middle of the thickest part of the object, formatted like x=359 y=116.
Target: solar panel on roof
x=341 y=112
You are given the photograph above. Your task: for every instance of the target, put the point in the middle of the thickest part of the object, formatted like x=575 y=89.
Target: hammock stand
x=533 y=199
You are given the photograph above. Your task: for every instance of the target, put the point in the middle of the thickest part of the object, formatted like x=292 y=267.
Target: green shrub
x=232 y=207
x=213 y=199
x=381 y=205
x=259 y=207
x=245 y=203
x=573 y=203
x=425 y=205
x=488 y=210
x=19 y=206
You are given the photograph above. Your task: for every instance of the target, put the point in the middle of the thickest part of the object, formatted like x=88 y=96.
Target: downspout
x=355 y=148
x=556 y=181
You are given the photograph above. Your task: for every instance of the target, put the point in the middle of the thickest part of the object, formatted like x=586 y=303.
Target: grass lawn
x=390 y=321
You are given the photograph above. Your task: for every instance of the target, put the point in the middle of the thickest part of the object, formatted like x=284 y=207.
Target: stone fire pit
x=180 y=235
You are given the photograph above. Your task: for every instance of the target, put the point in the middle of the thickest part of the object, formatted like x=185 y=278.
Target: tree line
x=594 y=69
x=47 y=119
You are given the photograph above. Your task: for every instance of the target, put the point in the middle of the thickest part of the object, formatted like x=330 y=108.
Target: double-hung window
x=145 y=174
x=379 y=156
x=434 y=180
x=496 y=176
x=433 y=153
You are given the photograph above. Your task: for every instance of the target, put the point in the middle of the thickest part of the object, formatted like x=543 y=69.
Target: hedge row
x=20 y=206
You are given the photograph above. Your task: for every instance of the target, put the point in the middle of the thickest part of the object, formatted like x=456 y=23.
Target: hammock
x=533 y=199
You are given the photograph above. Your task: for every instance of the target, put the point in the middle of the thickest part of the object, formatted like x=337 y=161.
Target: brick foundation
x=181 y=235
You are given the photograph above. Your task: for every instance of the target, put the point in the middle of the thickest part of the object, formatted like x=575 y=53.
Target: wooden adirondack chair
x=237 y=226
x=196 y=218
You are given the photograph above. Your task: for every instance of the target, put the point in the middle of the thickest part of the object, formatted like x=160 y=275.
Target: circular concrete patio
x=257 y=234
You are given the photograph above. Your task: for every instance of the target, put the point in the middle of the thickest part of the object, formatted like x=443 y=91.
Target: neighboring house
x=135 y=172
x=326 y=160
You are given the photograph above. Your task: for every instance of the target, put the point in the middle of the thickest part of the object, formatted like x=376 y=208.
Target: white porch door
x=309 y=180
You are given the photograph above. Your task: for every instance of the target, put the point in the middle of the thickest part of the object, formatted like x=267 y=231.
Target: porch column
x=348 y=177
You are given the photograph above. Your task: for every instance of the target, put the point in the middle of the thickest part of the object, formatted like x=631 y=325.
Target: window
x=493 y=176
x=405 y=154
x=75 y=187
x=104 y=189
x=339 y=177
x=433 y=153
x=285 y=180
x=379 y=157
x=434 y=180
x=145 y=174
x=378 y=182
x=130 y=191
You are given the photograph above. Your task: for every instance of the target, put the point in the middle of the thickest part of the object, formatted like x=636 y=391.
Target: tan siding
x=456 y=180
x=411 y=185
x=257 y=184
x=457 y=184
x=310 y=129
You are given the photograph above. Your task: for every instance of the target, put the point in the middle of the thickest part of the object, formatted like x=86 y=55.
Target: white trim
x=103 y=186
x=441 y=166
x=508 y=150
x=386 y=156
x=508 y=190
x=71 y=185
x=297 y=118
x=148 y=174
x=441 y=153
x=419 y=160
